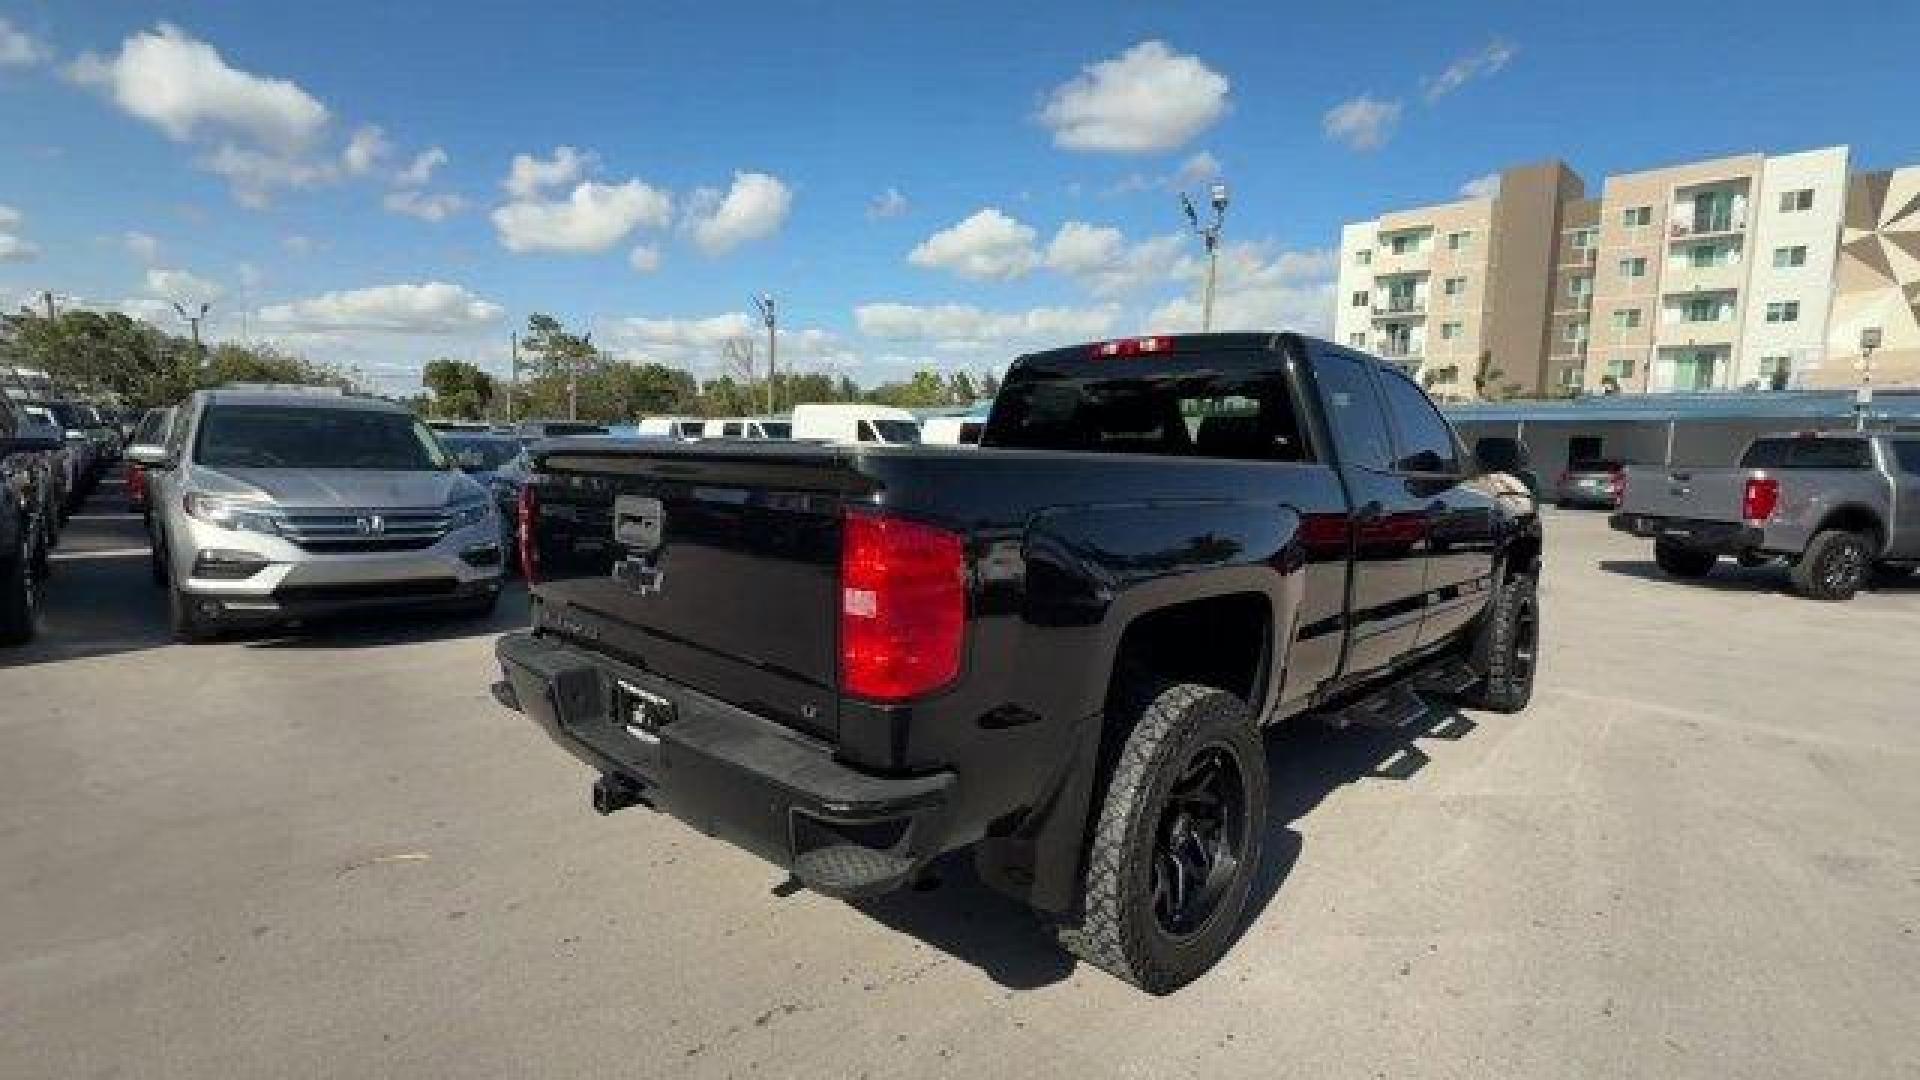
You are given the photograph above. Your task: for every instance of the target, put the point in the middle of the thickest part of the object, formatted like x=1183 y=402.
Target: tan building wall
x=1877 y=281
x=1526 y=225
x=1570 y=332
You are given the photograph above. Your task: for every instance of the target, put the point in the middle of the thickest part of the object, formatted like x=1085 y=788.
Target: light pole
x=199 y=353
x=1863 y=398
x=1210 y=236
x=763 y=304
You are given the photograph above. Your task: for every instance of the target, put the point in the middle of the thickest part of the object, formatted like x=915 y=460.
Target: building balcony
x=1578 y=257
x=1698 y=226
x=1399 y=350
x=1683 y=277
x=1680 y=332
x=1400 y=309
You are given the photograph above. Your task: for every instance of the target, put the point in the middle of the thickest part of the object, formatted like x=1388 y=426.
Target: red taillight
x=529 y=514
x=903 y=607
x=1760 y=499
x=136 y=484
x=1141 y=346
x=1619 y=487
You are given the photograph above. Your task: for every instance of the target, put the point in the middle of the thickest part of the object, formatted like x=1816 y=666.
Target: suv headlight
x=235 y=515
x=467 y=514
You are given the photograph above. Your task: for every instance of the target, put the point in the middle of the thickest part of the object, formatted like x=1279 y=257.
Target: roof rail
x=283 y=388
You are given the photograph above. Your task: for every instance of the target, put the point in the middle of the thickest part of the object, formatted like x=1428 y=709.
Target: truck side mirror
x=1499 y=453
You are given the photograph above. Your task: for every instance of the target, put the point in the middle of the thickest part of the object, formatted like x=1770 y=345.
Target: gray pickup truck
x=1839 y=508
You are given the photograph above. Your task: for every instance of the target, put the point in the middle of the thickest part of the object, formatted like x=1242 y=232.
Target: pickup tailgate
x=1697 y=494
x=715 y=565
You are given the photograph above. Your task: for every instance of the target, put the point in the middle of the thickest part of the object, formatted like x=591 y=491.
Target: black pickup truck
x=1057 y=649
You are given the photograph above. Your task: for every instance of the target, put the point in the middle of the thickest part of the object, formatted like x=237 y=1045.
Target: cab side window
x=1353 y=411
x=867 y=433
x=1426 y=443
x=1907 y=453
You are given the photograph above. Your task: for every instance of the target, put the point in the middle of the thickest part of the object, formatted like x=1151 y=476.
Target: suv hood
x=366 y=489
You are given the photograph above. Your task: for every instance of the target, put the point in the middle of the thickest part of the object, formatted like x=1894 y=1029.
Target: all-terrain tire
x=1163 y=730
x=1505 y=647
x=1683 y=562
x=1835 y=565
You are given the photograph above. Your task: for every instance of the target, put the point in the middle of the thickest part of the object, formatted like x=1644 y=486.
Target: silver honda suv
x=275 y=503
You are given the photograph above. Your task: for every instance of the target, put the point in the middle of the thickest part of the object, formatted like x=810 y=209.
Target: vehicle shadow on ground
x=1726 y=577
x=1306 y=762
x=372 y=630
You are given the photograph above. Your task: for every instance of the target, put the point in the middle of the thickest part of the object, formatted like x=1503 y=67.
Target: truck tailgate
x=713 y=565
x=1699 y=494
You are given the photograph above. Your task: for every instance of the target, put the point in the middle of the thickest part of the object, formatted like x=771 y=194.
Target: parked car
x=750 y=427
x=1593 y=483
x=81 y=451
x=952 y=430
x=151 y=431
x=495 y=461
x=270 y=505
x=847 y=422
x=532 y=431
x=671 y=427
x=1836 y=507
x=23 y=530
x=1058 y=650
x=59 y=464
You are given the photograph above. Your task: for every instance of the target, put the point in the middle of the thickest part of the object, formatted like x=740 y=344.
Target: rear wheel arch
x=1855 y=518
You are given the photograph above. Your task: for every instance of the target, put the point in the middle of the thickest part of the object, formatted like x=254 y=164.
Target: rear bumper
x=731 y=773
x=1719 y=537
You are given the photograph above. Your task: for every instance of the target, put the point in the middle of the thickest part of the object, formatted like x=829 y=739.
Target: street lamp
x=194 y=322
x=1863 y=397
x=763 y=305
x=1210 y=236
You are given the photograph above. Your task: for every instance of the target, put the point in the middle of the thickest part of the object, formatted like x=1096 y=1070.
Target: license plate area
x=641 y=713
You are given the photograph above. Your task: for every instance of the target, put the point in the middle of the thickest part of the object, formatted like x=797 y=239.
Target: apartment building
x=1745 y=272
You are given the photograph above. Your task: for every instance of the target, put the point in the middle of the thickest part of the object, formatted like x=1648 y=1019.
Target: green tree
x=461 y=391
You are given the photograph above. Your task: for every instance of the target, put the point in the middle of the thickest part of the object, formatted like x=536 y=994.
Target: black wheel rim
x=1845 y=568
x=1200 y=842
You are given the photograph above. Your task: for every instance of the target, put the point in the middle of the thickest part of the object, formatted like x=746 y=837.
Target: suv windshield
x=297 y=437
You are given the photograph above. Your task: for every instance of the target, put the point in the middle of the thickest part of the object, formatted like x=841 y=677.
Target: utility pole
x=47 y=295
x=513 y=372
x=1863 y=398
x=764 y=305
x=199 y=353
x=1210 y=237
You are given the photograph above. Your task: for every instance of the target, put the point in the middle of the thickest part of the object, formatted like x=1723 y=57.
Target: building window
x=1583 y=239
x=1459 y=241
x=1454 y=286
x=1707 y=256
x=1637 y=217
x=1405 y=243
x=1579 y=288
x=1626 y=318
x=1634 y=267
x=1701 y=309
x=1360 y=299
x=1793 y=202
x=1449 y=331
x=1572 y=378
x=1783 y=311
x=1775 y=372
x=1576 y=331
x=1784 y=257
x=1358 y=341
x=1620 y=367
x=1363 y=257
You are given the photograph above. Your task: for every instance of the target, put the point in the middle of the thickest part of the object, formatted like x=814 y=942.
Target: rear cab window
x=1808 y=453
x=1906 y=453
x=1215 y=404
x=1424 y=438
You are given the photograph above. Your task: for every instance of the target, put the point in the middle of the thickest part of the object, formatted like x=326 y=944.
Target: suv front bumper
x=747 y=779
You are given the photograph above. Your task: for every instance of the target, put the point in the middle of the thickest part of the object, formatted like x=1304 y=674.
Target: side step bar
x=1404 y=702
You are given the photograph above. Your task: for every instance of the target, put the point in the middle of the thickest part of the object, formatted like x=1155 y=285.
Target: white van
x=855 y=423
x=953 y=430
x=750 y=427
x=684 y=428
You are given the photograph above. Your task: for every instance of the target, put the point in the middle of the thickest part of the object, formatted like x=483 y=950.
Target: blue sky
x=230 y=150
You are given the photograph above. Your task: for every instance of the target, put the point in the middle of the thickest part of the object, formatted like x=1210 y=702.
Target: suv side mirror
x=1499 y=453
x=150 y=455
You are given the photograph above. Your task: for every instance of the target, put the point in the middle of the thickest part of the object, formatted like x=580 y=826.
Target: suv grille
x=368 y=530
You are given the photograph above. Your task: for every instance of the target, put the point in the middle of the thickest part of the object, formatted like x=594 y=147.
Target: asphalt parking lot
x=331 y=854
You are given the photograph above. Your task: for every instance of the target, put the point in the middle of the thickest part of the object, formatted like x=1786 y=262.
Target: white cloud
x=594 y=217
x=250 y=276
x=365 y=150
x=183 y=287
x=1198 y=169
x=888 y=204
x=644 y=257
x=182 y=85
x=1465 y=69
x=1148 y=98
x=419 y=172
x=296 y=244
x=986 y=246
x=697 y=342
x=964 y=323
x=255 y=175
x=14 y=248
x=753 y=208
x=433 y=307
x=1362 y=123
x=1100 y=258
x=1481 y=187
x=18 y=49
x=529 y=176
x=424 y=205
x=1257 y=291
x=142 y=246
